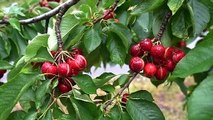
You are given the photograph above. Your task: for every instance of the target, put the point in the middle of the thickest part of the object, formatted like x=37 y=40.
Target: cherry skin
x=125 y=98
x=49 y=70
x=181 y=44
x=63 y=69
x=136 y=64
x=136 y=50
x=108 y=15
x=169 y=52
x=53 y=53
x=157 y=51
x=81 y=62
x=2 y=73
x=178 y=56
x=76 y=51
x=146 y=44
x=150 y=69
x=161 y=73
x=170 y=65
x=64 y=88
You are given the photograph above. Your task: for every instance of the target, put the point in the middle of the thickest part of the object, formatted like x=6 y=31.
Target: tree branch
x=43 y=16
x=121 y=91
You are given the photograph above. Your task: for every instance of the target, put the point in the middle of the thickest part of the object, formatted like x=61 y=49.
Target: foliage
x=102 y=42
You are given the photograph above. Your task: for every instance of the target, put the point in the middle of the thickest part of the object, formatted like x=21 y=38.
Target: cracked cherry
x=161 y=73
x=125 y=97
x=136 y=64
x=150 y=69
x=49 y=69
x=64 y=88
x=178 y=56
x=136 y=50
x=146 y=44
x=63 y=69
x=157 y=51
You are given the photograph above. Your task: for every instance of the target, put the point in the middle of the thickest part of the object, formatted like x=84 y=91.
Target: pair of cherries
x=154 y=59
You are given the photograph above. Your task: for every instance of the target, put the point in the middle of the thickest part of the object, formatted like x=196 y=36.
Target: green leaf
x=85 y=110
x=42 y=55
x=26 y=99
x=174 y=5
x=146 y=6
x=66 y=117
x=32 y=115
x=12 y=91
x=200 y=15
x=81 y=97
x=85 y=83
x=115 y=113
x=179 y=25
x=92 y=39
x=125 y=116
x=5 y=65
x=200 y=64
x=122 y=32
x=108 y=88
x=144 y=110
x=117 y=49
x=38 y=42
x=103 y=78
x=122 y=79
x=42 y=90
x=17 y=115
x=15 y=23
x=142 y=94
x=199 y=104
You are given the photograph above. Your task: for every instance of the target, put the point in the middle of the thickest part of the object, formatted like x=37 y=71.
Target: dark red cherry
x=64 y=88
x=178 y=56
x=136 y=50
x=157 y=51
x=170 y=65
x=150 y=69
x=136 y=64
x=63 y=69
x=49 y=69
x=146 y=44
x=161 y=73
x=108 y=14
x=125 y=97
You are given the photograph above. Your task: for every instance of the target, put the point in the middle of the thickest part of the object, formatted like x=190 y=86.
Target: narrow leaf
x=174 y=5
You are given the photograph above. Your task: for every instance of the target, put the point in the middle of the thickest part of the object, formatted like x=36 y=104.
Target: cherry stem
x=42 y=16
x=163 y=25
x=121 y=91
x=111 y=9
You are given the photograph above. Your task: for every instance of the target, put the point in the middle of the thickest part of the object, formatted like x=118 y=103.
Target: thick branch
x=45 y=15
x=121 y=91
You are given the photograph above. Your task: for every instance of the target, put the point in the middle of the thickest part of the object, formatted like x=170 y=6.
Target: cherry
x=76 y=51
x=169 y=52
x=80 y=62
x=49 y=70
x=108 y=14
x=157 y=51
x=53 y=53
x=63 y=69
x=136 y=50
x=170 y=65
x=136 y=64
x=178 y=56
x=146 y=44
x=125 y=97
x=64 y=88
x=44 y=3
x=161 y=73
x=2 y=73
x=181 y=44
x=150 y=69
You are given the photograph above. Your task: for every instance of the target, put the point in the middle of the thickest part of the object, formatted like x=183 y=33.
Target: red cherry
x=136 y=50
x=53 y=53
x=64 y=88
x=125 y=97
x=182 y=44
x=136 y=64
x=170 y=65
x=161 y=73
x=2 y=73
x=76 y=51
x=169 y=52
x=108 y=14
x=146 y=44
x=63 y=69
x=49 y=70
x=157 y=51
x=150 y=69
x=43 y=3
x=178 y=56
x=81 y=62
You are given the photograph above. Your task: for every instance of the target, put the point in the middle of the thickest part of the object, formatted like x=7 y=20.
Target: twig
x=163 y=25
x=121 y=91
x=43 y=16
x=46 y=25
x=111 y=9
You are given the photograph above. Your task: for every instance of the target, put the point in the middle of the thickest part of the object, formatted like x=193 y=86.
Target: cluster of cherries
x=44 y=3
x=2 y=72
x=154 y=59
x=65 y=66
